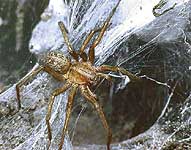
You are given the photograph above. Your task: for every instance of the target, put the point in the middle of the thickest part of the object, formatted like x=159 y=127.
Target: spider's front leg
x=51 y=101
x=24 y=80
x=68 y=112
x=105 y=76
x=85 y=91
x=118 y=69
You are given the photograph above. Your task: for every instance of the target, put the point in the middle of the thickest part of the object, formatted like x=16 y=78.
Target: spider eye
x=51 y=53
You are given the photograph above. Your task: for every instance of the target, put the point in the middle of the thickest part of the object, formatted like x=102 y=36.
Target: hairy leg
x=118 y=69
x=103 y=29
x=51 y=101
x=85 y=91
x=85 y=43
x=105 y=76
x=68 y=112
x=24 y=80
x=53 y=73
x=69 y=45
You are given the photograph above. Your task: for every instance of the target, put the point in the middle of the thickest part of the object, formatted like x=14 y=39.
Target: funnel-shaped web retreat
x=155 y=48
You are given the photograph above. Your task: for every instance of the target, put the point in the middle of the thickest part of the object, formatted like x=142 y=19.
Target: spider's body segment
x=57 y=61
x=77 y=74
x=81 y=73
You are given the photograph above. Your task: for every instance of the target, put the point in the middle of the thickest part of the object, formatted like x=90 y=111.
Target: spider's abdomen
x=56 y=61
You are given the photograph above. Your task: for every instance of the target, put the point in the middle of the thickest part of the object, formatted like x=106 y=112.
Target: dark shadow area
x=18 y=20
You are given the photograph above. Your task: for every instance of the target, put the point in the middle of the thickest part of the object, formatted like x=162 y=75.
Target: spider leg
x=51 y=101
x=68 y=112
x=91 y=53
x=53 y=73
x=118 y=69
x=23 y=81
x=85 y=43
x=69 y=45
x=105 y=76
x=85 y=91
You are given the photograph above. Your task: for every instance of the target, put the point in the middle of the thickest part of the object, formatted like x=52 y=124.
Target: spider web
x=80 y=17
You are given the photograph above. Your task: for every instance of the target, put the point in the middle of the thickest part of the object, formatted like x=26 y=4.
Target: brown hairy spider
x=79 y=74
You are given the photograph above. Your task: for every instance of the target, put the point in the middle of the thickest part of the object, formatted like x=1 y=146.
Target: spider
x=77 y=74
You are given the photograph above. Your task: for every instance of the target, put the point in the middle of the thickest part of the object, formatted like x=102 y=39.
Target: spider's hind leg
x=24 y=80
x=105 y=76
x=85 y=91
x=119 y=70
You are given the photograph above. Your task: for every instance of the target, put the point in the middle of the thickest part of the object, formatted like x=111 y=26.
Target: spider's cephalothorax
x=56 y=61
x=77 y=74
